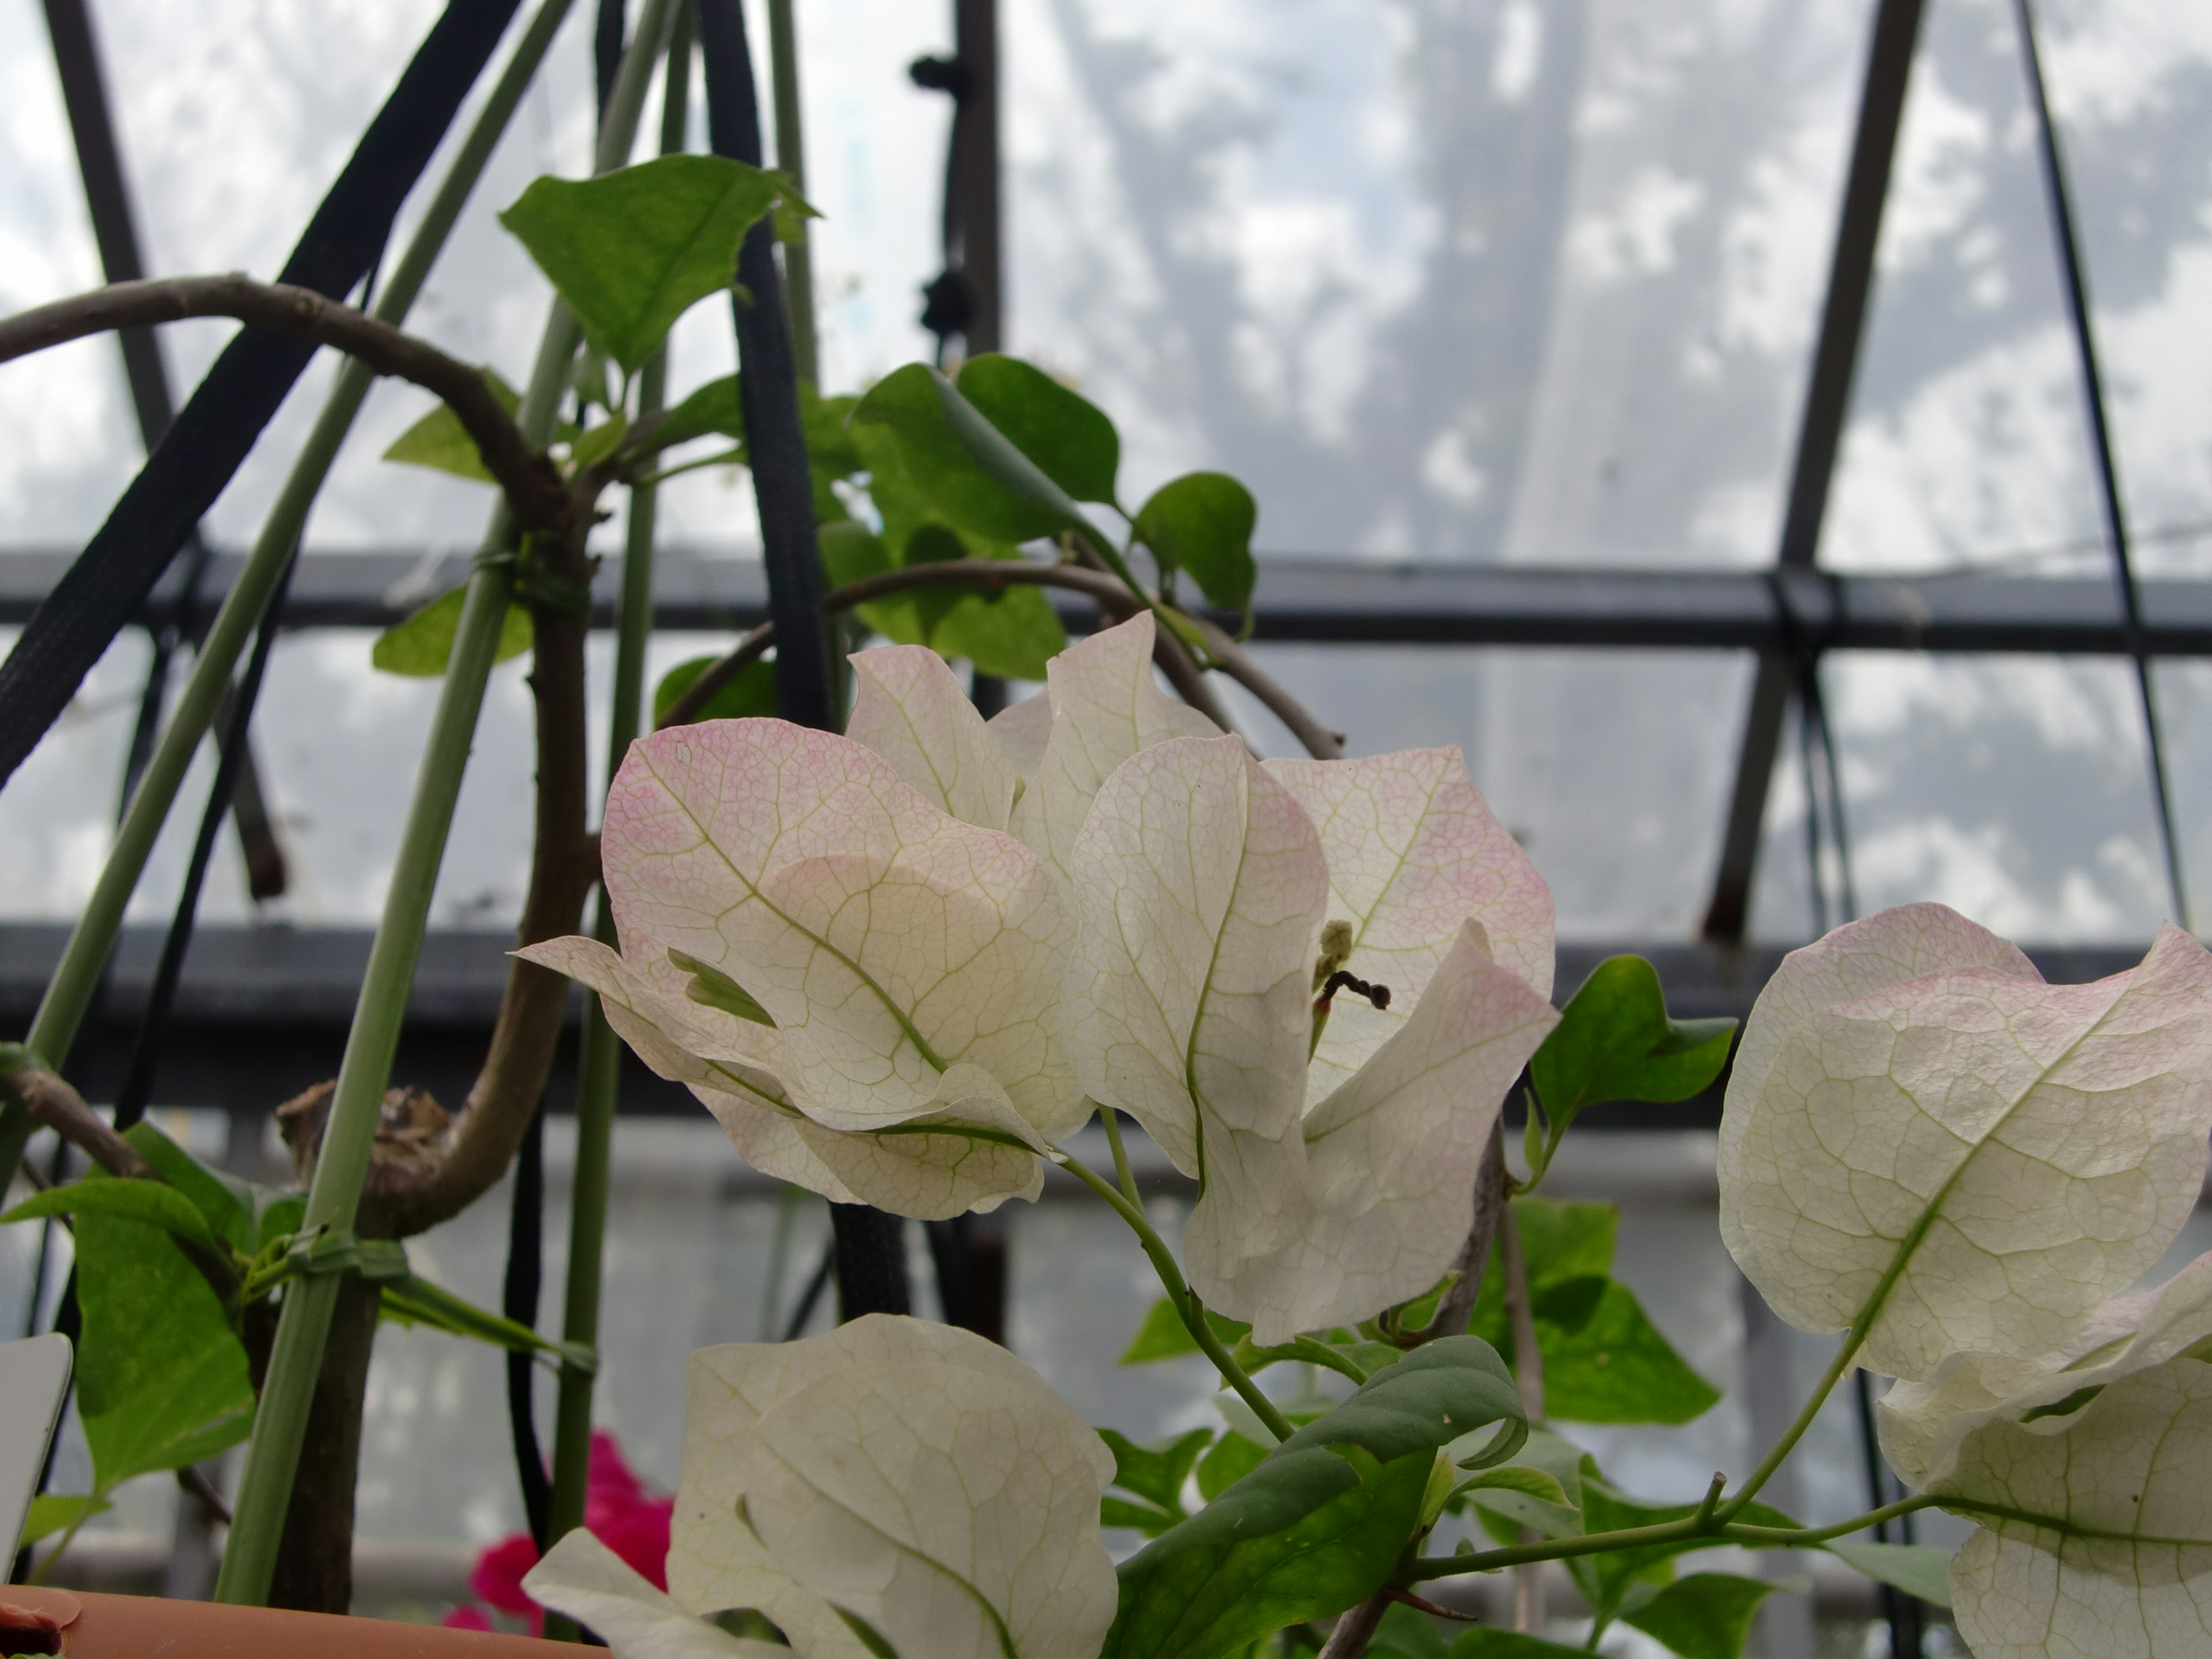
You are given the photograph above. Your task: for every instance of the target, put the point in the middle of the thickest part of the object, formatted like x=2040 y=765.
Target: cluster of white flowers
x=900 y=966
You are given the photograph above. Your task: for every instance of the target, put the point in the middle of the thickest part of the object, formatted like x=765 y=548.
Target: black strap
x=871 y=1245
x=203 y=449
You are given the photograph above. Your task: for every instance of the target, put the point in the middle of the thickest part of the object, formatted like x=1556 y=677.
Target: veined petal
x=1106 y=706
x=1923 y=1137
x=887 y=941
x=1023 y=729
x=1391 y=1155
x=680 y=1039
x=1200 y=884
x=953 y=1502
x=1413 y=851
x=908 y=708
x=1018 y=1520
x=1923 y=1423
x=585 y=1579
x=2096 y=1527
x=971 y=1155
x=948 y=952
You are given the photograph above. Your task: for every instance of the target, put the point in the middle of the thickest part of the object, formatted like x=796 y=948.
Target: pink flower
x=618 y=1510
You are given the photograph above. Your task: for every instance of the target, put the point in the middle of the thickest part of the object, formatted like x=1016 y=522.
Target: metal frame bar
x=1827 y=404
x=115 y=233
x=2101 y=438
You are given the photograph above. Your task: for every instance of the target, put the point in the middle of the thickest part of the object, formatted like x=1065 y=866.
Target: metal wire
x=2092 y=393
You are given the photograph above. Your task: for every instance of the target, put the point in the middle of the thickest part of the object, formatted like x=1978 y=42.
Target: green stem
x=350 y=1136
x=1185 y=1299
x=1112 y=1121
x=1664 y=1531
x=1836 y=1369
x=791 y=160
x=70 y=994
x=599 y=1069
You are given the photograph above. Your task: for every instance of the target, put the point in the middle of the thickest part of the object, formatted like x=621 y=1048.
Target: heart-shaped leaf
x=633 y=250
x=1202 y=523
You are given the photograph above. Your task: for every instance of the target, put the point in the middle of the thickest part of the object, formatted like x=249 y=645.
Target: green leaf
x=416 y=1301
x=1012 y=634
x=1615 y=1042
x=53 y=1512
x=1323 y=1518
x=1706 y=1615
x=147 y=1201
x=714 y=408
x=441 y=442
x=1614 y=1366
x=1147 y=1518
x=283 y=1214
x=1527 y=1497
x=1068 y=436
x=422 y=645
x=1494 y=1642
x=1604 y=1360
x=633 y=251
x=1306 y=1534
x=596 y=443
x=902 y=426
x=829 y=446
x=1923 y=1571
x=161 y=1380
x=711 y=987
x=1157 y=1473
x=751 y=694
x=1233 y=1457
x=1164 y=1336
x=1202 y=523
x=227 y=1203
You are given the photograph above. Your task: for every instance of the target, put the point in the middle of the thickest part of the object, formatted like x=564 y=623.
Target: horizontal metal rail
x=1356 y=602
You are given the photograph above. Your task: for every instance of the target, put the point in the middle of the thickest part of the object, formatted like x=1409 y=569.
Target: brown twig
x=1456 y=1306
x=1528 y=1375
x=533 y=486
x=1356 y=1629
x=49 y=1100
x=1235 y=661
x=469 y=1158
x=1101 y=585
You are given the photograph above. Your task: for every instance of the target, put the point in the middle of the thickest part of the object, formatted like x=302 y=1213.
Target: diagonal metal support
x=2100 y=437
x=172 y=620
x=1827 y=402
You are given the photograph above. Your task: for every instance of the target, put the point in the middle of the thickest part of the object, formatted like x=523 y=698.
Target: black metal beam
x=1827 y=404
x=1357 y=602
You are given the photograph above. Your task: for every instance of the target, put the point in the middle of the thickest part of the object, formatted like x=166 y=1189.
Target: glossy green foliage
x=441 y=442
x=1322 y=1519
x=420 y=646
x=906 y=429
x=715 y=409
x=1068 y=436
x=1163 y=1335
x=161 y=1378
x=1011 y=632
x=1615 y=1042
x=750 y=693
x=633 y=251
x=1201 y=524
x=1604 y=1360
x=1156 y=1476
x=1706 y=1615
x=1493 y=1642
